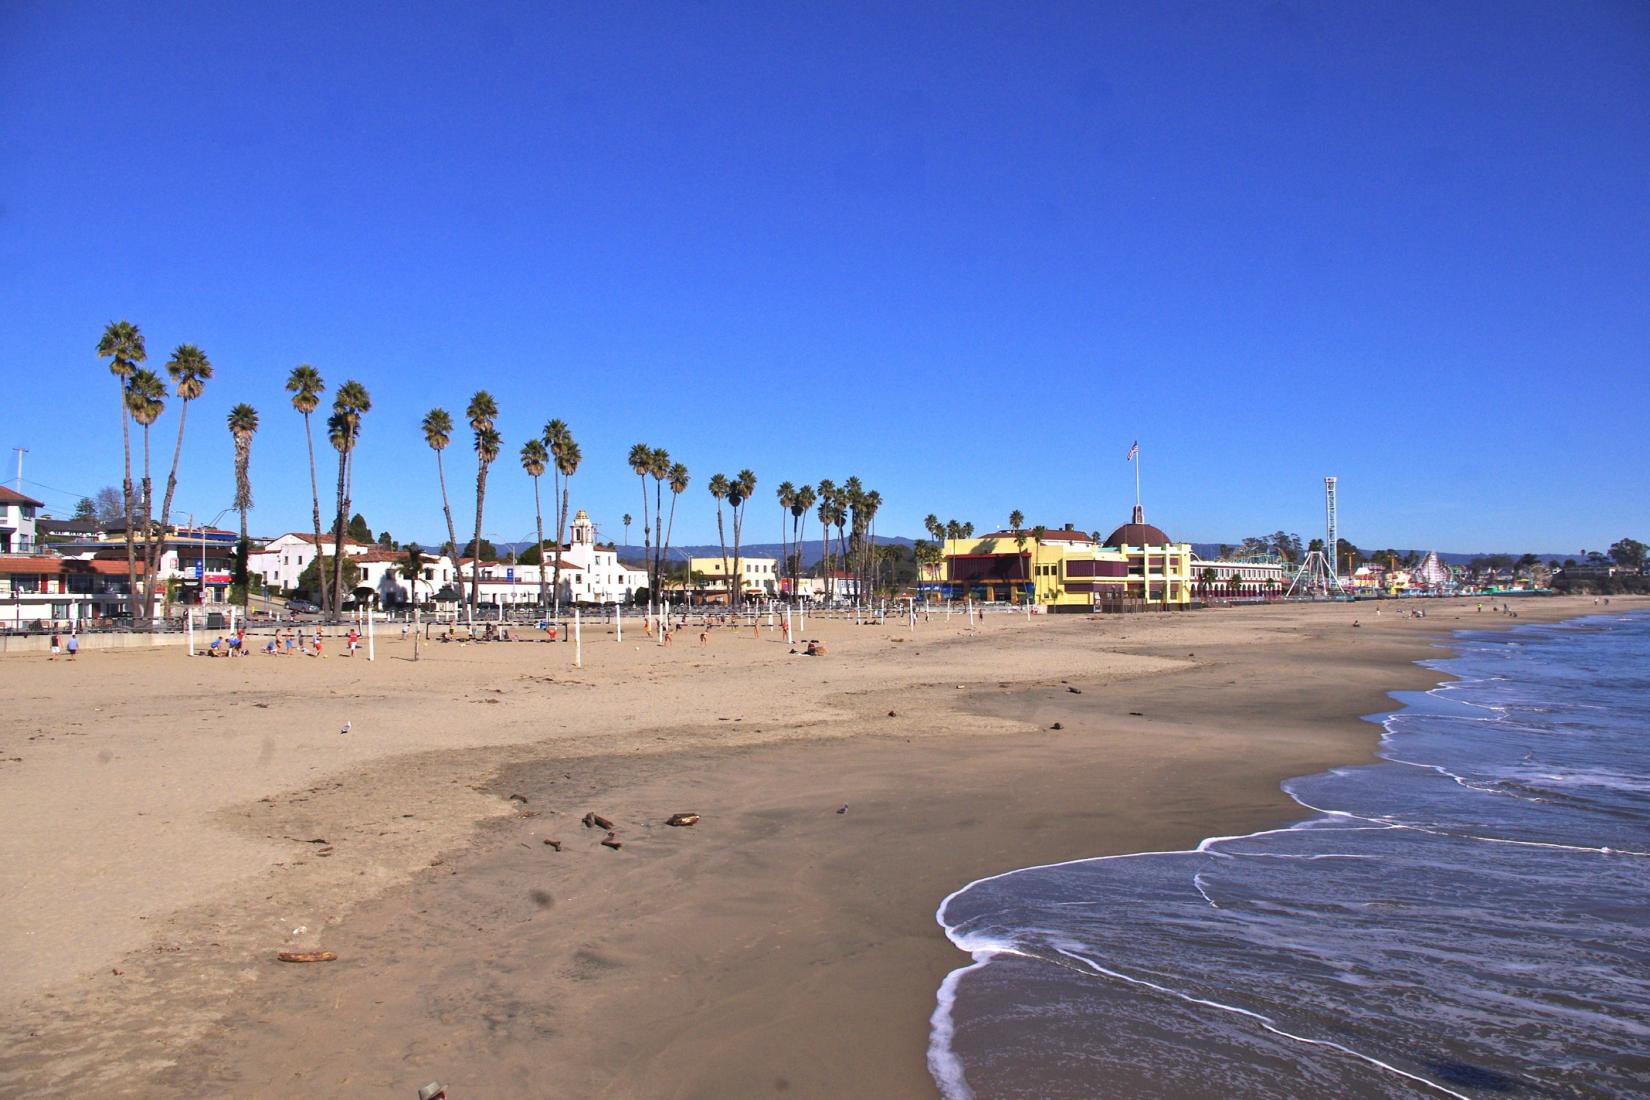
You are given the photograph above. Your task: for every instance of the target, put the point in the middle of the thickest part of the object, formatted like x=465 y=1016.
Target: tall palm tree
x=873 y=504
x=742 y=488
x=786 y=495
x=481 y=412
x=720 y=487
x=411 y=568
x=534 y=458
x=800 y=503
x=122 y=345
x=243 y=424
x=189 y=369
x=438 y=433
x=827 y=509
x=306 y=387
x=641 y=461
x=677 y=479
x=349 y=405
x=568 y=457
x=658 y=467
x=145 y=401
x=627 y=530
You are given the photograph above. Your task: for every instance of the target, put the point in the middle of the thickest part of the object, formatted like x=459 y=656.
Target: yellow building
x=757 y=576
x=1136 y=568
x=1061 y=569
x=1159 y=571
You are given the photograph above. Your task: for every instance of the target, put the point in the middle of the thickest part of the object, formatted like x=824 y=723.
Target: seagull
x=346 y=728
x=844 y=808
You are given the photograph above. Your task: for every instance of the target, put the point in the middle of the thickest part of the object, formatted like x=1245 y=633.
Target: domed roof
x=1137 y=532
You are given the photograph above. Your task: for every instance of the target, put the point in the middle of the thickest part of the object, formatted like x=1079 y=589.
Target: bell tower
x=583 y=532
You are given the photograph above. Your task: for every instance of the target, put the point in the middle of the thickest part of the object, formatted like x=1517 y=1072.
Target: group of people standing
x=57 y=646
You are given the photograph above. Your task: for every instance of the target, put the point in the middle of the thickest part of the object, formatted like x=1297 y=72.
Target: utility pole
x=21 y=451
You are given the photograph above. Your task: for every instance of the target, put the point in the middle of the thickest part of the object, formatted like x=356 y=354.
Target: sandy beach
x=174 y=823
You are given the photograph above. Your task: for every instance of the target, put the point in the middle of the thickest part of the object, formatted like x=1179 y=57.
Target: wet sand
x=778 y=947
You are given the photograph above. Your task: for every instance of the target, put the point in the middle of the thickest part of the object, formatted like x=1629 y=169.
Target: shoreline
x=731 y=984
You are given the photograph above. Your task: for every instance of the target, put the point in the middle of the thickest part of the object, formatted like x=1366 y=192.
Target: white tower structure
x=1318 y=577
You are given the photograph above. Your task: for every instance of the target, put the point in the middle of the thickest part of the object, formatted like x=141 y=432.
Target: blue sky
x=968 y=252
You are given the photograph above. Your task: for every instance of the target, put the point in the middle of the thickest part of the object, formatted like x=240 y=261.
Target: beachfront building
x=44 y=591
x=282 y=560
x=1063 y=569
x=17 y=522
x=1239 y=578
x=196 y=563
x=757 y=577
x=592 y=573
x=1159 y=569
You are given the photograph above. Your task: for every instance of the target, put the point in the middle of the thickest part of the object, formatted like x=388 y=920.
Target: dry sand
x=173 y=823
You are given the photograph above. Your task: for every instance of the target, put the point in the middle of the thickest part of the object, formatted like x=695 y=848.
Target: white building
x=282 y=560
x=1239 y=577
x=17 y=522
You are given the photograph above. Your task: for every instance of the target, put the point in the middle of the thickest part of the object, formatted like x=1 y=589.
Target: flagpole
x=1137 y=477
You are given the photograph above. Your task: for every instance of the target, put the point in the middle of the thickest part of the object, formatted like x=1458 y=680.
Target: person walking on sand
x=56 y=645
x=74 y=645
x=704 y=638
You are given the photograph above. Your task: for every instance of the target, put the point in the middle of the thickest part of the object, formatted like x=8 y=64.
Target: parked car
x=301 y=607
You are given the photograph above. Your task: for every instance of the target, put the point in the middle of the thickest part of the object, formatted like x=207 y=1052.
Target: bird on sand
x=346 y=728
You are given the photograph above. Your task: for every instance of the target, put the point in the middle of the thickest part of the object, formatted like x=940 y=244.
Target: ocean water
x=1469 y=918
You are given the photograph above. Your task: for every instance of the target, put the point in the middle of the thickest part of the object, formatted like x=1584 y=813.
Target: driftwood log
x=595 y=820
x=307 y=957
x=680 y=820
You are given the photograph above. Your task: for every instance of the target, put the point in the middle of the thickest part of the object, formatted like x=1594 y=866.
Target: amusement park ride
x=1317 y=578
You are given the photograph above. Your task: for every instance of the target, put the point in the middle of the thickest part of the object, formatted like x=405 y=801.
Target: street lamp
x=209 y=523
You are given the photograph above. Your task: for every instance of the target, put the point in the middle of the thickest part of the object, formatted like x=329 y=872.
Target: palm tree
x=627 y=522
x=800 y=503
x=243 y=424
x=678 y=481
x=146 y=400
x=555 y=437
x=740 y=490
x=189 y=369
x=786 y=494
x=412 y=569
x=641 y=461
x=122 y=345
x=349 y=405
x=658 y=466
x=874 y=560
x=827 y=509
x=306 y=387
x=438 y=432
x=481 y=412
x=720 y=488
x=568 y=457
x=534 y=458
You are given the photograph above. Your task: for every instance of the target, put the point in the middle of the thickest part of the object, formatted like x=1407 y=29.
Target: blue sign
x=510 y=573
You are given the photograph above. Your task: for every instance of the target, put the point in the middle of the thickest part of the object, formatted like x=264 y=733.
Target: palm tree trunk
x=126 y=498
x=538 y=526
x=166 y=502
x=452 y=534
x=148 y=532
x=315 y=512
x=561 y=531
x=475 y=566
x=721 y=537
x=658 y=527
x=736 y=578
x=348 y=483
x=647 y=548
x=824 y=557
x=337 y=545
x=782 y=544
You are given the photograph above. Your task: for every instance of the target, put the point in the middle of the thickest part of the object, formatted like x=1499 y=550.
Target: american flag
x=1134 y=450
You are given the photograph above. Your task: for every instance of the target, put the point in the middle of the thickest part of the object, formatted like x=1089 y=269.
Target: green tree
x=189 y=370
x=719 y=487
x=481 y=413
x=786 y=495
x=826 y=514
x=314 y=577
x=641 y=462
x=800 y=507
x=438 y=433
x=627 y=522
x=358 y=528
x=84 y=509
x=535 y=457
x=1628 y=553
x=349 y=405
x=243 y=425
x=411 y=568
x=564 y=449
x=122 y=345
x=740 y=491
x=306 y=387
x=145 y=400
x=677 y=479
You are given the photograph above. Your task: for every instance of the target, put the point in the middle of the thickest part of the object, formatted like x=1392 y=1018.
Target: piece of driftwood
x=611 y=841
x=1057 y=726
x=307 y=956
x=1075 y=691
x=595 y=820
x=556 y=844
x=680 y=820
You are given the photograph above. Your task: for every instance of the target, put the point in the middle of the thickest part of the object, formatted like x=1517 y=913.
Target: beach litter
x=1057 y=726
x=307 y=956
x=843 y=809
x=682 y=820
x=1075 y=691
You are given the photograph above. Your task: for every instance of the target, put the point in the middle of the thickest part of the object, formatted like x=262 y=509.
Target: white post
x=371 y=652
x=618 y=617
x=189 y=619
x=770 y=616
x=578 y=639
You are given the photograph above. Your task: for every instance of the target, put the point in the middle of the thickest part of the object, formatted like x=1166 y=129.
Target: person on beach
x=55 y=647
x=317 y=651
x=214 y=650
x=74 y=645
x=349 y=645
x=704 y=638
